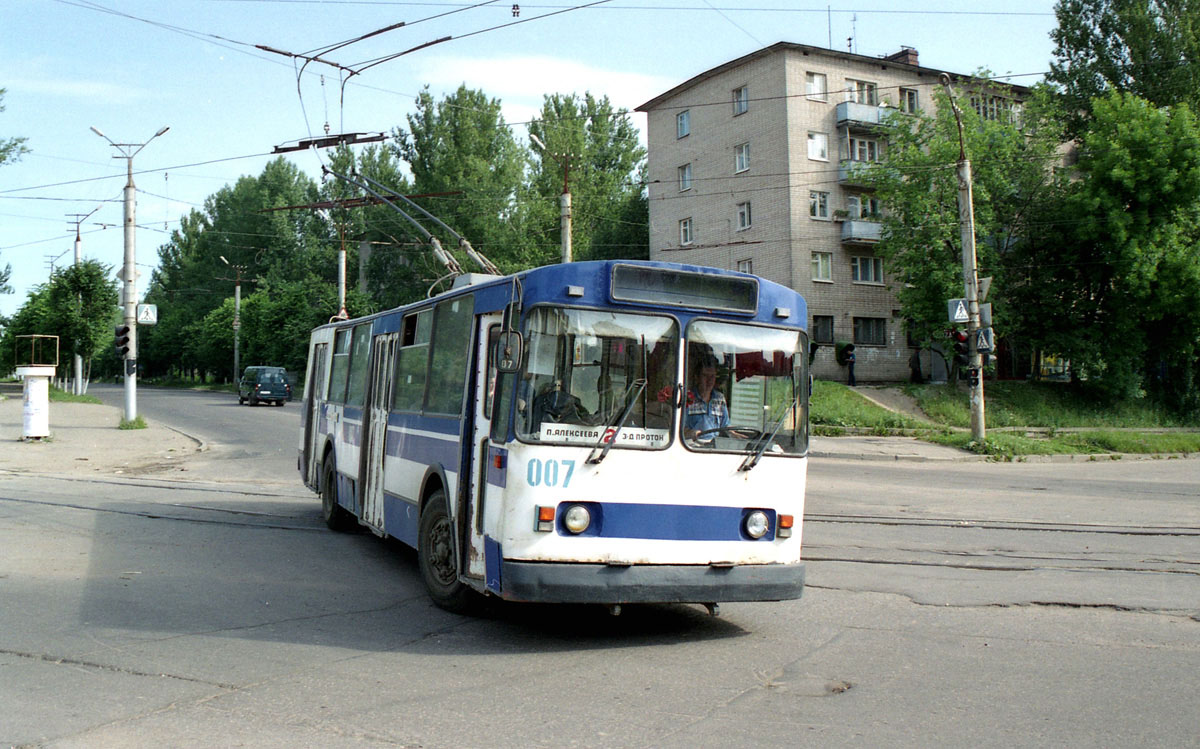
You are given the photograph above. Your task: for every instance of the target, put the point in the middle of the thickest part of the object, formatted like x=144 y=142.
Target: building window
x=870 y=331
x=993 y=108
x=741 y=100
x=822 y=266
x=745 y=266
x=685 y=231
x=815 y=87
x=822 y=329
x=863 y=206
x=908 y=101
x=685 y=177
x=683 y=123
x=818 y=146
x=818 y=205
x=866 y=269
x=743 y=216
x=864 y=149
x=863 y=92
x=741 y=157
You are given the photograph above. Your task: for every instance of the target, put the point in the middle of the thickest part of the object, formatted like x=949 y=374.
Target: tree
x=1149 y=48
x=11 y=149
x=464 y=158
x=1112 y=284
x=245 y=225
x=610 y=216
x=1011 y=160
x=84 y=299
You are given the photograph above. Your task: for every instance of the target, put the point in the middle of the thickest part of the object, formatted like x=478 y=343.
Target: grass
x=136 y=423
x=62 y=396
x=1023 y=418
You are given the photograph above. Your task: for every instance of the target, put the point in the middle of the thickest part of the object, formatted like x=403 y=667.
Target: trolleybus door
x=314 y=397
x=374 y=430
x=483 y=371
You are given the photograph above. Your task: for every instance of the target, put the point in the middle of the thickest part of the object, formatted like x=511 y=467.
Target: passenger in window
x=706 y=411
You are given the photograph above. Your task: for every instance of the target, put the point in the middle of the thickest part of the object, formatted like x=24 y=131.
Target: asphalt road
x=966 y=604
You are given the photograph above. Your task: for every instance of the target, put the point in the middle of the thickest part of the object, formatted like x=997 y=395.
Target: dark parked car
x=264 y=385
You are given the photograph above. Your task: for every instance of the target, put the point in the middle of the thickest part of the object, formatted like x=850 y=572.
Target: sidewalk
x=84 y=439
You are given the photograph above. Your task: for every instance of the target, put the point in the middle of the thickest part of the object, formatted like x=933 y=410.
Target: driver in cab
x=706 y=411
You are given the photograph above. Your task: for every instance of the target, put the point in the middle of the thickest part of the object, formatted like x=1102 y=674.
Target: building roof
x=896 y=60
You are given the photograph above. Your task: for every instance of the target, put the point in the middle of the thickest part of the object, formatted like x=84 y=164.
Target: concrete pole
x=966 y=220
x=129 y=275
x=565 y=203
x=77 y=389
x=237 y=326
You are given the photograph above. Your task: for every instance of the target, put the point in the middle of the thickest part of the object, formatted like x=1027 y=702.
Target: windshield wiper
x=767 y=439
x=636 y=387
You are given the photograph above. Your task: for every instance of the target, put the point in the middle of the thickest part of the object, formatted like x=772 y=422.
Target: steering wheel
x=750 y=433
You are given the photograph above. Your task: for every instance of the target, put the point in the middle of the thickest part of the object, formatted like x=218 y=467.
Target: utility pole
x=129 y=272
x=78 y=386
x=966 y=222
x=564 y=200
x=237 y=315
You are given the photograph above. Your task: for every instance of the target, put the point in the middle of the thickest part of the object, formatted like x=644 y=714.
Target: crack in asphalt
x=68 y=661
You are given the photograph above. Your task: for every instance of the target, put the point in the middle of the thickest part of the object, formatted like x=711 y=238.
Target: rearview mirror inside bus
x=509 y=345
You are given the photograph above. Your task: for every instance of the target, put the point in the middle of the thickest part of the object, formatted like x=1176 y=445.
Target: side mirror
x=509 y=348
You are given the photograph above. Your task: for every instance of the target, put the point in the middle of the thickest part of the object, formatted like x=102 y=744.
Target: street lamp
x=237 y=315
x=128 y=273
x=564 y=199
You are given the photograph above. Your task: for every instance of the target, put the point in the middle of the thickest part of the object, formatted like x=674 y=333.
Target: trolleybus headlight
x=577 y=518
x=756 y=524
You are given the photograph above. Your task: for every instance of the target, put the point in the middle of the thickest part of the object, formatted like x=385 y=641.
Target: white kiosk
x=36 y=422
x=37 y=370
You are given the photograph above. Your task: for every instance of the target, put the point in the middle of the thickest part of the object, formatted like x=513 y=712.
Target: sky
x=131 y=67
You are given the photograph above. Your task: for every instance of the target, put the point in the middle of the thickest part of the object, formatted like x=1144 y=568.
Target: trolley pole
x=966 y=222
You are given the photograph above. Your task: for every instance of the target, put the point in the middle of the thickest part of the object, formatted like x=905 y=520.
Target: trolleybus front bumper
x=648 y=583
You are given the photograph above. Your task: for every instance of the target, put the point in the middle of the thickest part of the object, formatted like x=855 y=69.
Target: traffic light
x=960 y=346
x=123 y=341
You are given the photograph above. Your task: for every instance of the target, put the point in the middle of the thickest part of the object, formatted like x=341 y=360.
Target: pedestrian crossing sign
x=147 y=314
x=957 y=310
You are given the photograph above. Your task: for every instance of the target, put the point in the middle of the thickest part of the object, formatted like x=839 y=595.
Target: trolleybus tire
x=337 y=518
x=435 y=557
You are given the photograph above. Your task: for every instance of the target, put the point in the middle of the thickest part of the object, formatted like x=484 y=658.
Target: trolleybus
x=608 y=432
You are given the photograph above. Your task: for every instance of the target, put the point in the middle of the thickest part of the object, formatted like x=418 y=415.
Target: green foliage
x=1111 y=280
x=136 y=423
x=1148 y=49
x=78 y=304
x=918 y=185
x=11 y=149
x=598 y=148
x=1045 y=404
x=58 y=395
x=834 y=404
x=464 y=157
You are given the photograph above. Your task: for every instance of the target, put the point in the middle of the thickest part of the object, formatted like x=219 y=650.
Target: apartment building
x=749 y=168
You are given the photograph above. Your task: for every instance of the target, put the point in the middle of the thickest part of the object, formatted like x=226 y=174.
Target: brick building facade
x=747 y=170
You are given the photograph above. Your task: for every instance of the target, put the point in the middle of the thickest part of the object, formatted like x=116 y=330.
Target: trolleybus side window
x=356 y=386
x=451 y=351
x=341 y=366
x=412 y=360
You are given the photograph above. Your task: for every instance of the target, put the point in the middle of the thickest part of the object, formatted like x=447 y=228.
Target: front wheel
x=435 y=556
x=336 y=517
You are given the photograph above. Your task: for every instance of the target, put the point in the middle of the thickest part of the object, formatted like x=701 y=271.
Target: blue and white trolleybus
x=609 y=432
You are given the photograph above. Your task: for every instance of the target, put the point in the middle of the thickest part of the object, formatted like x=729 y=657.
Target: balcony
x=860 y=231
x=852 y=173
x=851 y=114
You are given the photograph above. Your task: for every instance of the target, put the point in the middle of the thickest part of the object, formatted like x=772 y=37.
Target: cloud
x=521 y=82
